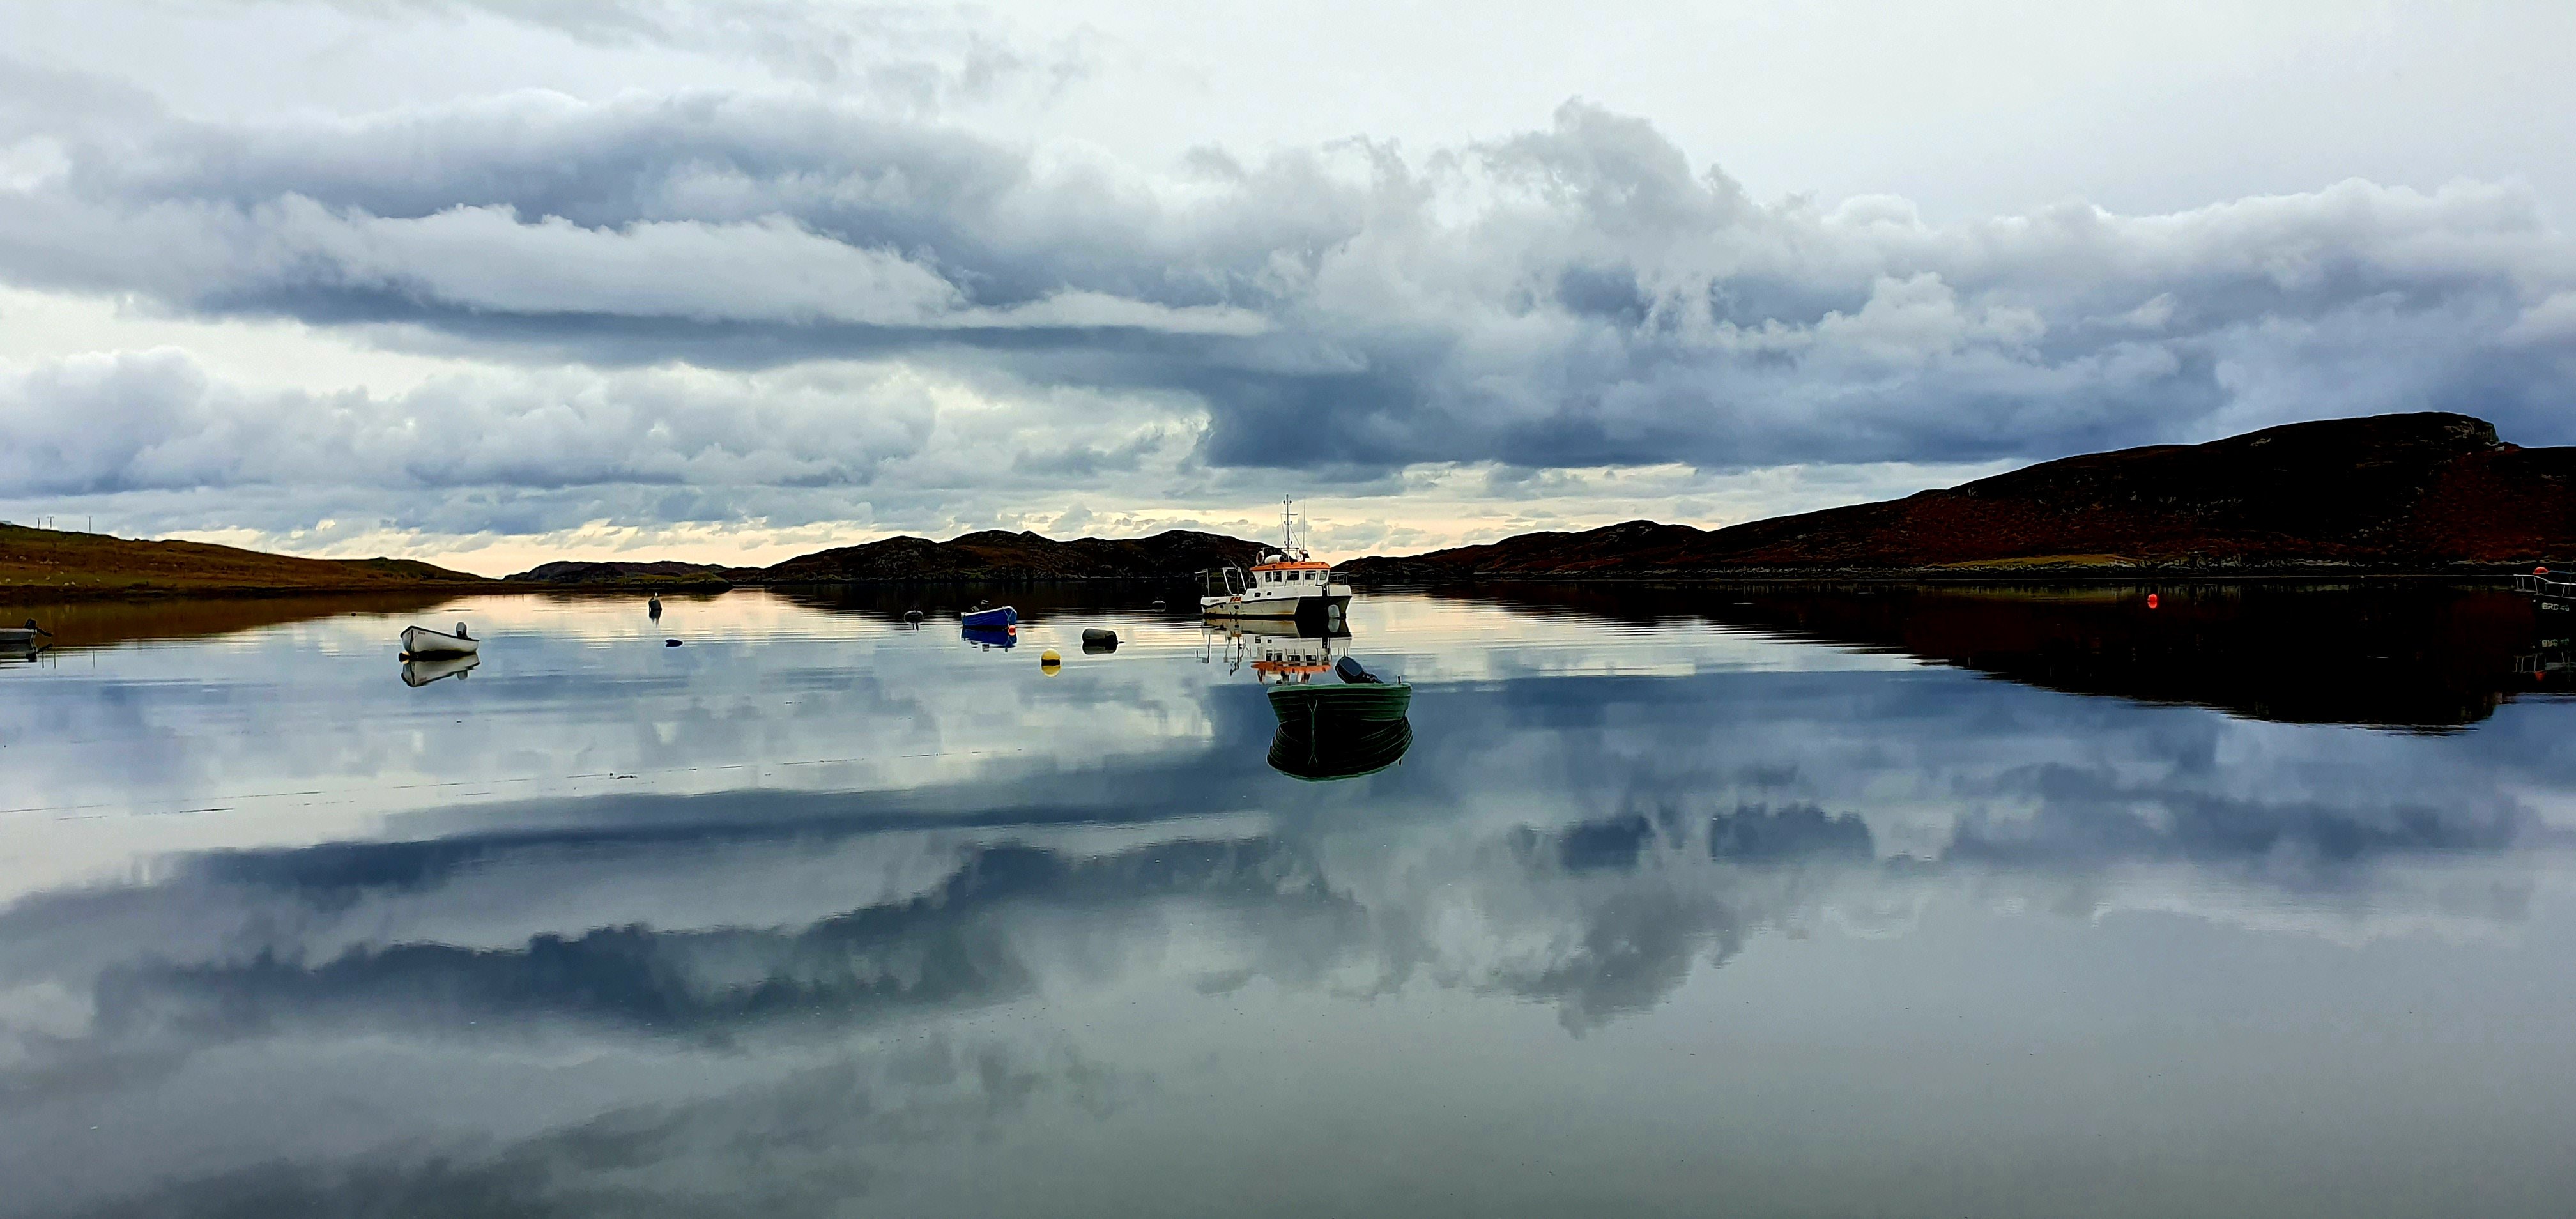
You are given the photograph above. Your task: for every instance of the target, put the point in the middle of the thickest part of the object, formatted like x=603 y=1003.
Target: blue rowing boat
x=992 y=619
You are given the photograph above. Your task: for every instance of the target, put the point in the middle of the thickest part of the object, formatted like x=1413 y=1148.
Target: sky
x=492 y=282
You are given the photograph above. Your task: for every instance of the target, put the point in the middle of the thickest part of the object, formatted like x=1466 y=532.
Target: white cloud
x=1579 y=296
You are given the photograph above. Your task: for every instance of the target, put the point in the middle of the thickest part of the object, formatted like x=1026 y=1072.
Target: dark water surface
x=1877 y=902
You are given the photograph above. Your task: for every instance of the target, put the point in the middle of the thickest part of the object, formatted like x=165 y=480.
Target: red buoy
x=2540 y=571
x=2151 y=600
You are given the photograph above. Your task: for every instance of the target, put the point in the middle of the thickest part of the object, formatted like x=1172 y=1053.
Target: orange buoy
x=2540 y=571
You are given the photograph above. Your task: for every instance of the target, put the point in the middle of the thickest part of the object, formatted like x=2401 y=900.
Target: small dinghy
x=23 y=636
x=1340 y=732
x=421 y=641
x=991 y=619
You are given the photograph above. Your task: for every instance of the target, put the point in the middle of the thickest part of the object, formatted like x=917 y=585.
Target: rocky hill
x=2415 y=493
x=996 y=555
x=662 y=574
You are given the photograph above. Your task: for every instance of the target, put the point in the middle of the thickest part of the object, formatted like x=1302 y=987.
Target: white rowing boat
x=421 y=641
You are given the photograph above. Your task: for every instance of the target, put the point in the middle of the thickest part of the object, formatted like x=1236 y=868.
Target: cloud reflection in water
x=646 y=1000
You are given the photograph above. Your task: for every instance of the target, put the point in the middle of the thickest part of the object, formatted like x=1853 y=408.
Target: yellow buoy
x=1049 y=662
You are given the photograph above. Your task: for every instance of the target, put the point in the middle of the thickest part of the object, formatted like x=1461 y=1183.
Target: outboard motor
x=1349 y=670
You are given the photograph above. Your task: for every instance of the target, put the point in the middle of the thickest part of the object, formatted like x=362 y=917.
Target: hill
x=64 y=563
x=662 y=574
x=996 y=555
x=2424 y=492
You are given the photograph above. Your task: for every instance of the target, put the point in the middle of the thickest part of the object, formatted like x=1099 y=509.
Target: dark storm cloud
x=1578 y=295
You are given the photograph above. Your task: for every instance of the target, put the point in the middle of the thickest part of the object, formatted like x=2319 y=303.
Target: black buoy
x=654 y=607
x=670 y=643
x=912 y=616
x=1095 y=640
x=1158 y=607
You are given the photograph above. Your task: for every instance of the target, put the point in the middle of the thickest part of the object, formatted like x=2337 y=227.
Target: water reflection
x=820 y=915
x=2549 y=666
x=421 y=671
x=2398 y=654
x=990 y=637
x=1273 y=651
x=105 y=623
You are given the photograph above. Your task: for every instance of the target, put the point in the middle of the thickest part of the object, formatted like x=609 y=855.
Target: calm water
x=1886 y=902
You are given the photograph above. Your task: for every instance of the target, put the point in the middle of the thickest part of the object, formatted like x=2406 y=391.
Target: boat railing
x=2543 y=586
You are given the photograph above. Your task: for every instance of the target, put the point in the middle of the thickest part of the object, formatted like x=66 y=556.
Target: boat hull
x=991 y=619
x=1350 y=703
x=1320 y=610
x=420 y=641
x=1340 y=732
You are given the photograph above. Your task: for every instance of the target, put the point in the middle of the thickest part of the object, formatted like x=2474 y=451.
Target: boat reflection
x=1336 y=719
x=1278 y=651
x=990 y=637
x=2551 y=664
x=424 y=670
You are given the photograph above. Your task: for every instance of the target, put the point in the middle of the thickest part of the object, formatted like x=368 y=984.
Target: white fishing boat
x=23 y=636
x=421 y=641
x=1287 y=583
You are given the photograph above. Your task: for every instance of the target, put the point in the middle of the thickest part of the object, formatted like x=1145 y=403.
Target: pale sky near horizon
x=495 y=281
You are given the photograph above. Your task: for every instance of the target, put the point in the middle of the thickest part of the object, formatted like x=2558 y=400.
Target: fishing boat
x=419 y=672
x=23 y=636
x=1286 y=583
x=422 y=641
x=991 y=619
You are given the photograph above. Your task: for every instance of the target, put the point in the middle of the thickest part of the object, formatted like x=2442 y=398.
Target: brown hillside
x=2421 y=492
x=54 y=562
x=663 y=575
x=996 y=555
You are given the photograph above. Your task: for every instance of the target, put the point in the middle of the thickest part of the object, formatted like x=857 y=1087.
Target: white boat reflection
x=424 y=670
x=1279 y=651
x=1336 y=719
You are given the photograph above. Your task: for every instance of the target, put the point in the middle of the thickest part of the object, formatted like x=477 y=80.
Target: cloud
x=1575 y=296
x=155 y=420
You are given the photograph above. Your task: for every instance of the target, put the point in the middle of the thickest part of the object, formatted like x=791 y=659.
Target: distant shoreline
x=23 y=594
x=2137 y=575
